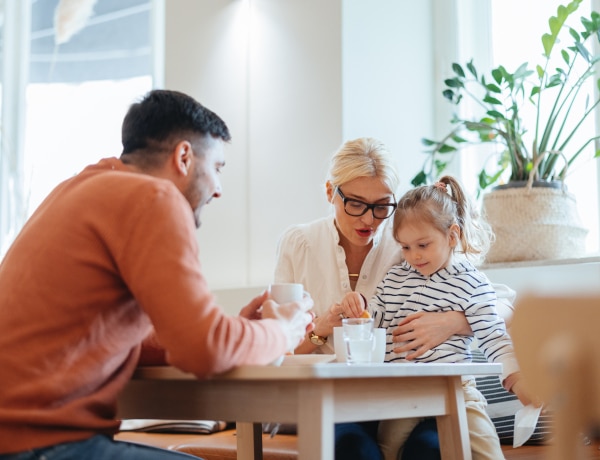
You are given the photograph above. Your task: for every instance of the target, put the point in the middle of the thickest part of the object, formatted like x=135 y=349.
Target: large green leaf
x=472 y=68
x=555 y=23
x=458 y=70
x=448 y=94
x=584 y=52
x=491 y=100
x=446 y=148
x=454 y=83
x=419 y=179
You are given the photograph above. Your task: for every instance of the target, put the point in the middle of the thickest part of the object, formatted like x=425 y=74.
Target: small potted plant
x=503 y=97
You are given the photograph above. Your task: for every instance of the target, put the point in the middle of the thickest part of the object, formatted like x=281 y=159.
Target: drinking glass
x=359 y=339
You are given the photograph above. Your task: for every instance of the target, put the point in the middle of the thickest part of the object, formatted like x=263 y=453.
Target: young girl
x=439 y=231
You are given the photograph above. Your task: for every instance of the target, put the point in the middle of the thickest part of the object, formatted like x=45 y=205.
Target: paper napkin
x=525 y=422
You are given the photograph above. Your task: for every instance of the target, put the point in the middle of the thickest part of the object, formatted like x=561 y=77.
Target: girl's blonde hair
x=442 y=205
x=363 y=157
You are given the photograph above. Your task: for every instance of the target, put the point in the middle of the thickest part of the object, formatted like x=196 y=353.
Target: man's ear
x=183 y=157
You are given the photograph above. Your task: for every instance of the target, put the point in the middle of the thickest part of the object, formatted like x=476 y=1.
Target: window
x=515 y=29
x=82 y=68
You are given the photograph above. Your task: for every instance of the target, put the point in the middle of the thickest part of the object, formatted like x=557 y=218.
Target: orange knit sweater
x=109 y=254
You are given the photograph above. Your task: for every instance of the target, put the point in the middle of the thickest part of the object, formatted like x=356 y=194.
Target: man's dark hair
x=164 y=117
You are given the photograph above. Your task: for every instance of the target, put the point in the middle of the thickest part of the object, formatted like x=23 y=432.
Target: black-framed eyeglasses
x=357 y=208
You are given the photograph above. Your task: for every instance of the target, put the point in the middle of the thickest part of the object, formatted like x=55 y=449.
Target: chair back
x=557 y=344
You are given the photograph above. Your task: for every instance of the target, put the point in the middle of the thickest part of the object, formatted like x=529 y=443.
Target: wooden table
x=314 y=396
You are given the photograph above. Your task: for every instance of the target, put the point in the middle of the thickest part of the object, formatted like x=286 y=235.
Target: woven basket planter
x=534 y=223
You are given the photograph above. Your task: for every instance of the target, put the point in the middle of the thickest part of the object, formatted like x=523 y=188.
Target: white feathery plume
x=70 y=17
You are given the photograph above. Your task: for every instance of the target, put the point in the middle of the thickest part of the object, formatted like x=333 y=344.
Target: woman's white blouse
x=311 y=254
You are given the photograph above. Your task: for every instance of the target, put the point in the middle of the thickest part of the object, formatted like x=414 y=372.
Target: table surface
x=315 y=396
x=328 y=371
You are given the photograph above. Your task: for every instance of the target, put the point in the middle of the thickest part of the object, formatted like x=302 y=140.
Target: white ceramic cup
x=286 y=292
x=359 y=339
x=377 y=355
x=339 y=345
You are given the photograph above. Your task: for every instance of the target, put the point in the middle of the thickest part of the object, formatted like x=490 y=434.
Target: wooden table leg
x=249 y=441
x=452 y=428
x=315 y=422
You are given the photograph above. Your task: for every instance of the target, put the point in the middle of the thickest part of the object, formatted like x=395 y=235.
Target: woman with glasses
x=352 y=250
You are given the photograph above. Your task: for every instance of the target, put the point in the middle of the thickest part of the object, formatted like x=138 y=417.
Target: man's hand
x=254 y=309
x=296 y=318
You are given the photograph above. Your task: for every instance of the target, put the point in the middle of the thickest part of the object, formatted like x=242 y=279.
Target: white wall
x=293 y=79
x=273 y=74
x=388 y=76
x=205 y=56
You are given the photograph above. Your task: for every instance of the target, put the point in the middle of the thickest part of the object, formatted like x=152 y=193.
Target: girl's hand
x=521 y=391
x=423 y=331
x=353 y=305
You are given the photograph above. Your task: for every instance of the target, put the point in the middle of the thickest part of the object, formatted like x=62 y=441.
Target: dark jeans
x=423 y=443
x=98 y=448
x=358 y=441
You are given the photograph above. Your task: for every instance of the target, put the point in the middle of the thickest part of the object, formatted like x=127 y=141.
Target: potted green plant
x=503 y=97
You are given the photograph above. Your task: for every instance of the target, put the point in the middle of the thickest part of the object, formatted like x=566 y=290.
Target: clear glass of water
x=359 y=339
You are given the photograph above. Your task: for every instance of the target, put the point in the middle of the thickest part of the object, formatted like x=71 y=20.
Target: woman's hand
x=323 y=327
x=425 y=330
x=333 y=318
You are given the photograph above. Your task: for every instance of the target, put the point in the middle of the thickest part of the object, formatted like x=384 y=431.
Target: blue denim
x=358 y=441
x=423 y=442
x=98 y=447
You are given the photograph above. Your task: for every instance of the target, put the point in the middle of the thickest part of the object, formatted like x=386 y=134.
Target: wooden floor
x=542 y=452
x=222 y=446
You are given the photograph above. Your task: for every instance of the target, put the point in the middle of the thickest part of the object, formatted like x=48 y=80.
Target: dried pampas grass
x=70 y=17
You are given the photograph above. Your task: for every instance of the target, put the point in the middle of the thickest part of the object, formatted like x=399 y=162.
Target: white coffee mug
x=286 y=292
x=378 y=353
x=338 y=344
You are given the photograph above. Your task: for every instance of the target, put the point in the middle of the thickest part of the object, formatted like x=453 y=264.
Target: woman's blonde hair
x=442 y=205
x=363 y=157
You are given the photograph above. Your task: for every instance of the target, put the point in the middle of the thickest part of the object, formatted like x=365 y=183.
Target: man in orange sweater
x=109 y=258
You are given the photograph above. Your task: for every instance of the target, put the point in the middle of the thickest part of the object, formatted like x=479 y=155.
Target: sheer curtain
x=84 y=62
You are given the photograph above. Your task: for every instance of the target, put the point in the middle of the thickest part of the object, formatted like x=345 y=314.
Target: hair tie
x=441 y=186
